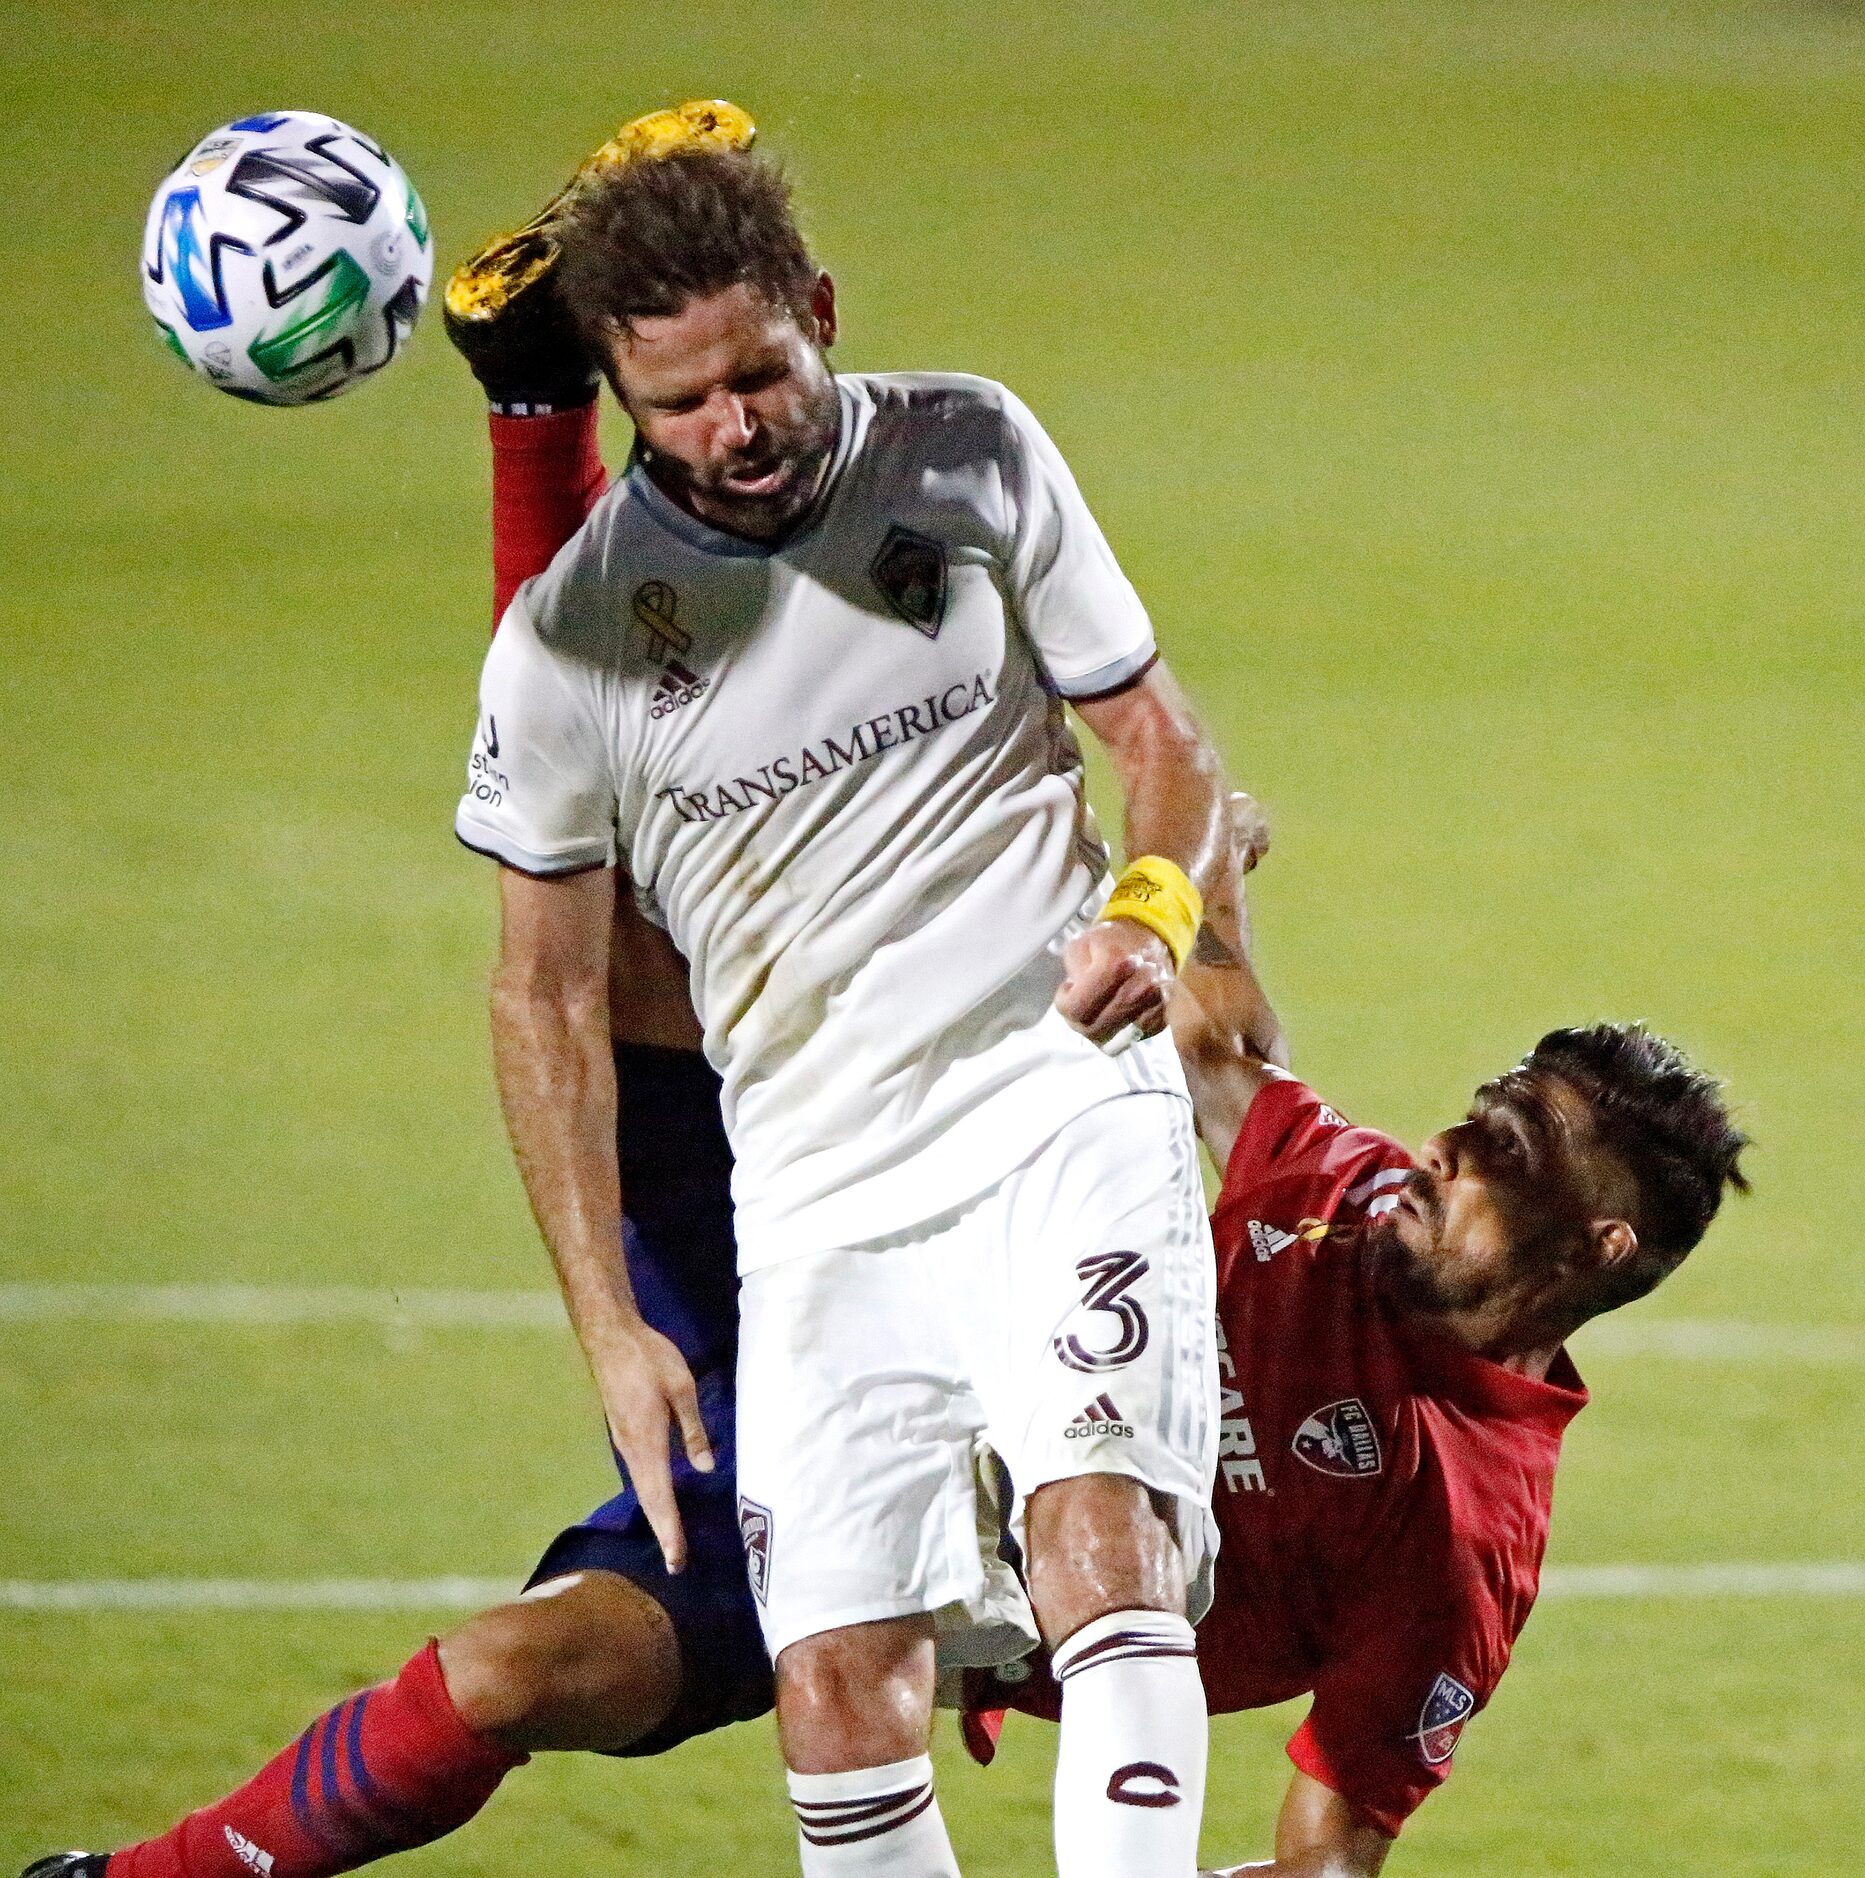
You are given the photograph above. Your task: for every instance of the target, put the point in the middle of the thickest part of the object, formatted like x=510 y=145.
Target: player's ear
x=822 y=309
x=1614 y=1242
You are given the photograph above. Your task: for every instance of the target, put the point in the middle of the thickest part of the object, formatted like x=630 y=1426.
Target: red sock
x=390 y=1768
x=546 y=477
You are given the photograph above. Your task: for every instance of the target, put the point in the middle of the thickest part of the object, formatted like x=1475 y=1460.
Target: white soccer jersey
x=839 y=773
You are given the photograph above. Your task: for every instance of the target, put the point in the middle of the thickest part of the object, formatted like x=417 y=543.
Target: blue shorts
x=725 y=1675
x=682 y=1261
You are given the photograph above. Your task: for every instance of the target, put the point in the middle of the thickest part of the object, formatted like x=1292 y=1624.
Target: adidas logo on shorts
x=1100 y=1417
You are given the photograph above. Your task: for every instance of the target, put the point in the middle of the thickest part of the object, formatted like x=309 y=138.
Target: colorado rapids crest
x=754 y=1528
x=1339 y=1439
x=910 y=572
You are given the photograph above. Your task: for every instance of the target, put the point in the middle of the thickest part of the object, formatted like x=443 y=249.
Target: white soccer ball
x=286 y=257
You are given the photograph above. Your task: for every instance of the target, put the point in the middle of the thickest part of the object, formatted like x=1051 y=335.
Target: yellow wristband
x=1156 y=894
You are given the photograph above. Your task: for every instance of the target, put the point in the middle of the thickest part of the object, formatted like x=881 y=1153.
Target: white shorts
x=1063 y=1320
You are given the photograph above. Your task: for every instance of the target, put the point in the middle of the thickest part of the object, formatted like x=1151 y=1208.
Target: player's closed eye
x=1501 y=1139
x=1511 y=1145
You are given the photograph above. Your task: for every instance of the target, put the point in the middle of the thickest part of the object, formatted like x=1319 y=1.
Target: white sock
x=879 y=1819
x=1131 y=1763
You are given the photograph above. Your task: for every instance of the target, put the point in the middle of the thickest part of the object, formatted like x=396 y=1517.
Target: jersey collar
x=1445 y=1369
x=709 y=540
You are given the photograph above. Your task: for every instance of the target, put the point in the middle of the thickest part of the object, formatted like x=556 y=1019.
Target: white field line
x=282 y=1304
x=255 y=1594
x=1842 y=1579
x=1835 y=1579
x=1690 y=1339
x=1722 y=1340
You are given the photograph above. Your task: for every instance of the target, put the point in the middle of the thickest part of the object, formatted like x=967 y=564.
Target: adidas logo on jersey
x=678 y=685
x=657 y=613
x=1100 y=1417
x=247 y=1853
x=1266 y=1241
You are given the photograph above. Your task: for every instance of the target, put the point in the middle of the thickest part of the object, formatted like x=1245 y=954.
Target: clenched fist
x=1116 y=975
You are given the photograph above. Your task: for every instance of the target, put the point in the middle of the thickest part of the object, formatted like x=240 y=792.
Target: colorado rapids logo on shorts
x=754 y=1528
x=1441 y=1721
x=1340 y=1440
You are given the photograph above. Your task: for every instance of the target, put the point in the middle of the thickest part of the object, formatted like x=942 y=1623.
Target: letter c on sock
x=1144 y=1783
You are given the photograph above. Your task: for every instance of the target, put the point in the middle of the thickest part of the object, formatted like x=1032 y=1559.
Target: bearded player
x=803 y=673
x=1391 y=1336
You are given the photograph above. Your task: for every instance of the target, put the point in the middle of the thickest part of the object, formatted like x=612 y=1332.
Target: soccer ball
x=286 y=257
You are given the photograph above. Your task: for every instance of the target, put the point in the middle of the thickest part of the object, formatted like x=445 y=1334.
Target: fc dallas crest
x=1339 y=1439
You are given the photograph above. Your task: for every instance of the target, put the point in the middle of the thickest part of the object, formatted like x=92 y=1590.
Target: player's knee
x=859 y=1697
x=1100 y=1543
x=591 y=1669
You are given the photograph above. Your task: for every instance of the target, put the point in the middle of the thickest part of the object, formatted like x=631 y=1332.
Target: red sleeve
x=1420 y=1655
x=1294 y=1147
x=547 y=475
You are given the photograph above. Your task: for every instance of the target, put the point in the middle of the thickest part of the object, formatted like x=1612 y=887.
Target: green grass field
x=1476 y=393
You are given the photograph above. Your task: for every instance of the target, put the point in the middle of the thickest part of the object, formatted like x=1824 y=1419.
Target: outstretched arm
x=1319 y=1835
x=556 y=1075
x=1118 y=973
x=1227 y=1033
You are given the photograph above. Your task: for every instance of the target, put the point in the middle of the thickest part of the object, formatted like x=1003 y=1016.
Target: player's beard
x=1412 y=1279
x=1419 y=1272
x=800 y=450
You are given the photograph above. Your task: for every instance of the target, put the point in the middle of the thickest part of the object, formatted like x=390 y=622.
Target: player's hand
x=1115 y=975
x=648 y=1393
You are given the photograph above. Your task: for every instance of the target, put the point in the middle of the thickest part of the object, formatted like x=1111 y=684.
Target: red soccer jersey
x=1383 y=1495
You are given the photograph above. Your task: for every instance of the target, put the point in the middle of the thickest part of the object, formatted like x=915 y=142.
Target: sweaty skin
x=1319 y=1835
x=648 y=997
x=553 y=1056
x=589 y=1664
x=1119 y=973
x=734 y=406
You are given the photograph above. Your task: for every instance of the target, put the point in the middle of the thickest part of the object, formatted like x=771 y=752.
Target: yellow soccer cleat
x=498 y=308
x=699 y=124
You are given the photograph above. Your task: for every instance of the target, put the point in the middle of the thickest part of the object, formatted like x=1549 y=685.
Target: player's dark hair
x=1665 y=1121
x=642 y=239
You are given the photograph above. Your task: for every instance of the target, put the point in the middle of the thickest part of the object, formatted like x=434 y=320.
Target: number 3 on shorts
x=1106 y=1279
